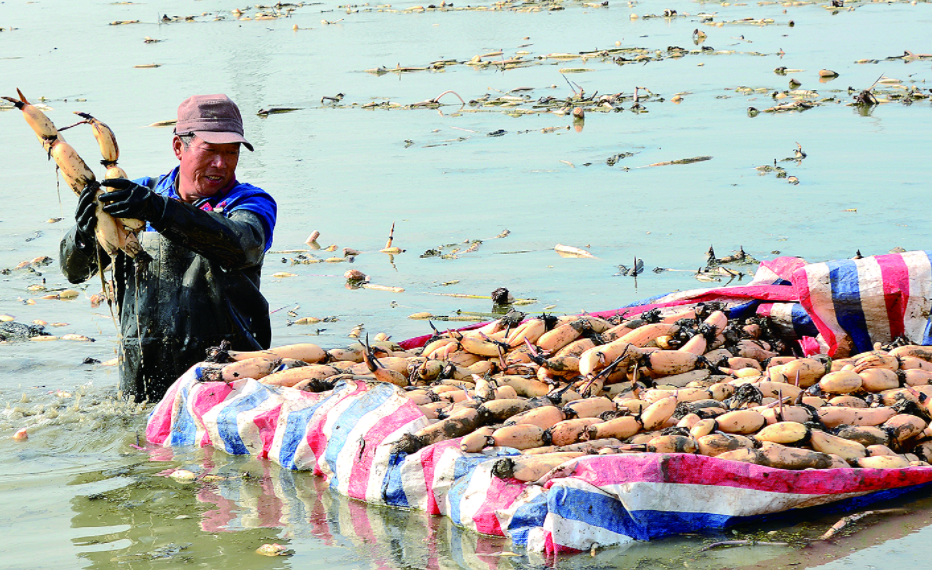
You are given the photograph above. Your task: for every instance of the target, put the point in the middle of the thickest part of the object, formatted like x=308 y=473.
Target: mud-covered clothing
x=201 y=287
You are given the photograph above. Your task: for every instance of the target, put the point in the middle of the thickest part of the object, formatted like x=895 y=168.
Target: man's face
x=206 y=168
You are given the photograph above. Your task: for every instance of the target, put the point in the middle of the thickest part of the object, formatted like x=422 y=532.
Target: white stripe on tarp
x=413 y=481
x=445 y=477
x=246 y=425
x=473 y=499
x=873 y=301
x=304 y=458
x=241 y=389
x=200 y=430
x=326 y=429
x=350 y=455
x=579 y=535
x=291 y=405
x=918 y=304
x=709 y=499
x=380 y=461
x=536 y=539
x=764 y=276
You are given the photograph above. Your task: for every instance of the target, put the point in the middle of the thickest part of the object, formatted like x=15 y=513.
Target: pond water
x=86 y=491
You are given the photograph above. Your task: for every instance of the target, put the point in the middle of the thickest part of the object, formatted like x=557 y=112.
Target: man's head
x=207 y=139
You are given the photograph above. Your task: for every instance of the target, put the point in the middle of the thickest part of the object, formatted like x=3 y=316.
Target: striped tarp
x=346 y=436
x=614 y=499
x=855 y=303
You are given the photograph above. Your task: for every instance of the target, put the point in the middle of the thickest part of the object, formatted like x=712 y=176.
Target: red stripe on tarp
x=500 y=494
x=552 y=549
x=801 y=284
x=784 y=267
x=701 y=470
x=359 y=475
x=429 y=457
x=895 y=280
x=765 y=309
x=204 y=397
x=159 y=425
x=810 y=346
x=267 y=422
x=760 y=292
x=746 y=293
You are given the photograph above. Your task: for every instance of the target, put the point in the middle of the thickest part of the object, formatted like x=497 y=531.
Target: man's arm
x=235 y=242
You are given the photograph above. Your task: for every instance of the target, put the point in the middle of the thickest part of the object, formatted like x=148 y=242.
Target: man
x=207 y=234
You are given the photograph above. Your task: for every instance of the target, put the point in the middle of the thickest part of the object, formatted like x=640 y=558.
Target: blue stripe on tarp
x=295 y=431
x=846 y=297
x=463 y=465
x=183 y=428
x=200 y=372
x=526 y=517
x=456 y=494
x=362 y=405
x=393 y=492
x=596 y=509
x=802 y=322
x=657 y=524
x=927 y=331
x=647 y=301
x=227 y=425
x=748 y=309
x=606 y=512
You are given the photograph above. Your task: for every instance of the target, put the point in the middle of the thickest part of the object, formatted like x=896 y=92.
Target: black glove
x=131 y=200
x=85 y=215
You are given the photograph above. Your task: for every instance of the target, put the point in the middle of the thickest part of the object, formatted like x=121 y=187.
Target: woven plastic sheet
x=346 y=436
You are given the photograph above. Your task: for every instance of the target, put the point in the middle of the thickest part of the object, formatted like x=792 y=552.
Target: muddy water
x=85 y=490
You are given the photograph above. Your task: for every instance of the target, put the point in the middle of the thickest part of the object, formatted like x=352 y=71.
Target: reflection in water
x=155 y=512
x=203 y=506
